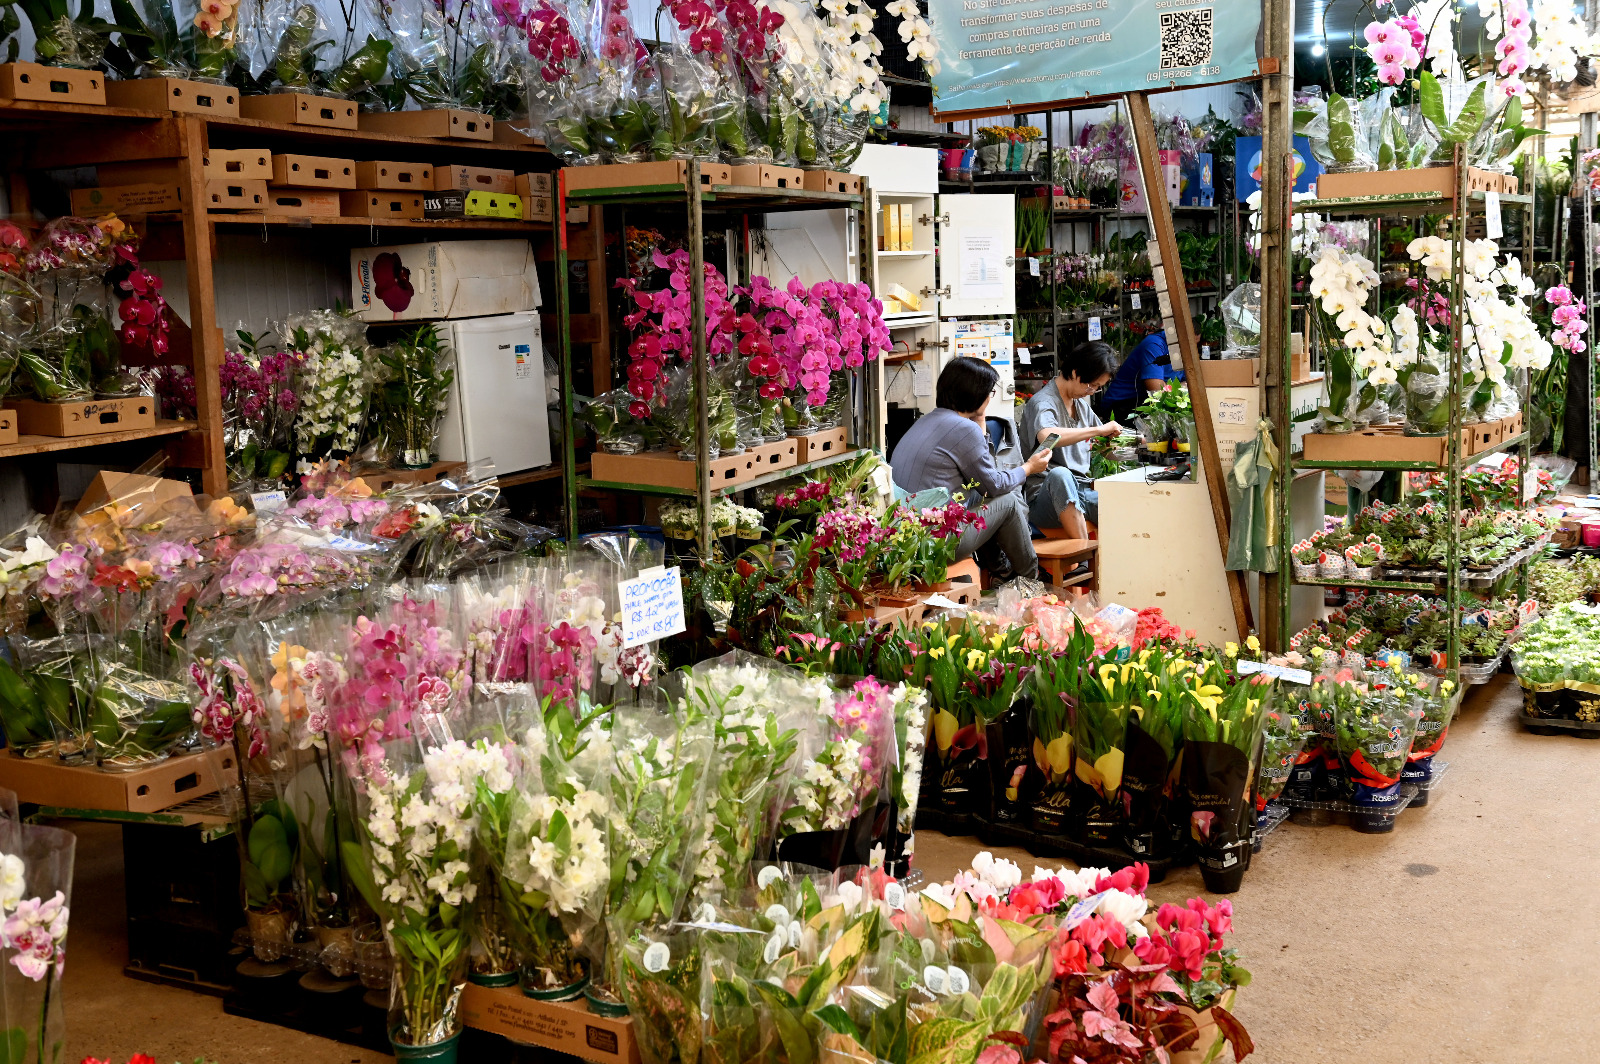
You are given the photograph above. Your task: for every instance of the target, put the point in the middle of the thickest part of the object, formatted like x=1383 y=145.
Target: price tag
x=268 y=502
x=1280 y=672
x=935 y=978
x=1491 y=215
x=652 y=606
x=1134 y=301
x=768 y=876
x=656 y=957
x=1094 y=328
x=894 y=895
x=1033 y=267
x=778 y=914
x=1024 y=356
x=1205 y=350
x=1083 y=910
x=957 y=980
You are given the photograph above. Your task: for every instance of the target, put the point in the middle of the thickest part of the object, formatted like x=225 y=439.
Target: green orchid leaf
x=1432 y=97
x=1470 y=118
x=1341 y=129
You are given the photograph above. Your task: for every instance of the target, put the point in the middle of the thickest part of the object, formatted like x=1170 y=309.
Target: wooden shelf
x=42 y=444
x=34 y=113
x=497 y=225
x=535 y=476
x=255 y=128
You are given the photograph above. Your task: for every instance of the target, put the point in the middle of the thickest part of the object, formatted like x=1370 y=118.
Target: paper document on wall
x=984 y=274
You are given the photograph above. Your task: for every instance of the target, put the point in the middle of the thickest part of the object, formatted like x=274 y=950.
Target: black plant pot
x=820 y=849
x=1008 y=738
x=1146 y=784
x=1217 y=782
x=963 y=789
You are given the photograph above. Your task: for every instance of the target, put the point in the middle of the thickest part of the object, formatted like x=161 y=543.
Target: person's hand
x=1037 y=463
x=1111 y=428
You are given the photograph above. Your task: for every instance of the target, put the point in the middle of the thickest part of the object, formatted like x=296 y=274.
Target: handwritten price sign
x=652 y=606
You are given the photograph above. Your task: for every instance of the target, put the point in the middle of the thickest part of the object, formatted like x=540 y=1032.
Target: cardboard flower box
x=633 y=175
x=442 y=122
x=664 y=469
x=820 y=445
x=313 y=171
x=48 y=84
x=85 y=417
x=174 y=94
x=301 y=109
x=1439 y=180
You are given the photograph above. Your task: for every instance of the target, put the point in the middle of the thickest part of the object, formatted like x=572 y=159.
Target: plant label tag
x=268 y=502
x=933 y=977
x=1205 y=350
x=1094 y=328
x=796 y=932
x=768 y=876
x=774 y=947
x=1135 y=302
x=895 y=896
x=777 y=914
x=1024 y=356
x=1491 y=215
x=940 y=602
x=656 y=957
x=957 y=980
x=652 y=607
x=1279 y=672
x=1083 y=910
x=1033 y=267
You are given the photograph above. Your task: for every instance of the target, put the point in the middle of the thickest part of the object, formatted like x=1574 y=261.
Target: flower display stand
x=563 y=1026
x=48 y=84
x=820 y=445
x=43 y=781
x=175 y=94
x=302 y=109
x=83 y=418
x=446 y=123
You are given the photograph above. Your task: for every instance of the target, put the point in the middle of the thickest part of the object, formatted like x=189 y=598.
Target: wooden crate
x=664 y=469
x=820 y=445
x=366 y=204
x=767 y=175
x=830 y=181
x=44 y=781
x=313 y=171
x=563 y=1026
x=444 y=122
x=48 y=84
x=1436 y=179
x=387 y=175
x=85 y=417
x=771 y=457
x=8 y=427
x=301 y=109
x=174 y=94
x=631 y=175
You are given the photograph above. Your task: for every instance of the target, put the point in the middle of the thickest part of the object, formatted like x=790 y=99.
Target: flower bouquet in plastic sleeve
x=660 y=775
x=1224 y=715
x=261 y=397
x=996 y=674
x=182 y=39
x=35 y=905
x=757 y=709
x=1283 y=739
x=1099 y=738
x=66 y=264
x=910 y=707
x=1154 y=742
x=1437 y=698
x=608 y=110
x=839 y=809
x=1065 y=649
x=333 y=383
x=702 y=107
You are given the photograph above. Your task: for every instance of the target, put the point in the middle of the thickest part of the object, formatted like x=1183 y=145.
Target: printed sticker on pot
x=895 y=896
x=795 y=933
x=778 y=914
x=656 y=957
x=927 y=950
x=774 y=947
x=768 y=876
x=956 y=980
x=706 y=914
x=933 y=977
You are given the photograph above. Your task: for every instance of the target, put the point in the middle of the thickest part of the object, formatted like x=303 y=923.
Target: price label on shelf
x=1094 y=328
x=269 y=502
x=1033 y=267
x=1134 y=301
x=1024 y=356
x=1281 y=672
x=652 y=606
x=1491 y=215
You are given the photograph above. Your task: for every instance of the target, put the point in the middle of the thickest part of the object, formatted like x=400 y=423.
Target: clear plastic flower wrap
x=181 y=39
x=43 y=703
x=66 y=264
x=261 y=401
x=21 y=317
x=608 y=109
x=334 y=382
x=409 y=398
x=701 y=109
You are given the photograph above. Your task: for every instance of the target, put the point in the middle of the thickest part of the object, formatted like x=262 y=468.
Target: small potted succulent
x=1361 y=560
x=1305 y=561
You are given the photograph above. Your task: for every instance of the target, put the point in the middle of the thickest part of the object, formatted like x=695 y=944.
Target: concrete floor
x=1464 y=937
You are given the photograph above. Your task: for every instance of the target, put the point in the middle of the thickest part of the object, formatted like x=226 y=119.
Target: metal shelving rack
x=1457 y=207
x=733 y=203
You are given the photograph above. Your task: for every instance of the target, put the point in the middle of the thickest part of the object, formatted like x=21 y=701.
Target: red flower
x=141 y=1058
x=1070 y=957
x=1130 y=880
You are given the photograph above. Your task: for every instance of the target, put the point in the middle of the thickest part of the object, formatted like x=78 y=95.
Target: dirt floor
x=1464 y=937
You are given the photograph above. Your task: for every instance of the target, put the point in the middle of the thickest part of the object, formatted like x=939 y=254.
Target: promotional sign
x=998 y=55
x=1247 y=166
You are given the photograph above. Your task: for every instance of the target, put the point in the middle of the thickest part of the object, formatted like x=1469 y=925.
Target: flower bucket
x=963 y=784
x=439 y=1053
x=1008 y=739
x=1147 y=783
x=992 y=158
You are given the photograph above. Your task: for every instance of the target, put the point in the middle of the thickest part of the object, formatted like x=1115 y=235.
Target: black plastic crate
x=183 y=905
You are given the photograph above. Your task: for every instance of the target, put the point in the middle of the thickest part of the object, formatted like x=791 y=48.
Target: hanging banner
x=997 y=56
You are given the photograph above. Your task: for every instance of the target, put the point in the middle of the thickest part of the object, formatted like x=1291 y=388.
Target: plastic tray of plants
x=1268 y=821
x=1362 y=817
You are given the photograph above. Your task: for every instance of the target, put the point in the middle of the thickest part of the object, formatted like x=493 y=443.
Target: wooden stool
x=966 y=581
x=1059 y=556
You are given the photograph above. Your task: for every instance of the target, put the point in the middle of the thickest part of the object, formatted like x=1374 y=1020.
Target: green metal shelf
x=758 y=482
x=1400 y=201
x=1374 y=585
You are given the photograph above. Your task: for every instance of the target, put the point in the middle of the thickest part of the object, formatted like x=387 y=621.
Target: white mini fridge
x=497 y=407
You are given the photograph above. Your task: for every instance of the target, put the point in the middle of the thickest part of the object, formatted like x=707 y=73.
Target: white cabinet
x=496 y=409
x=977 y=242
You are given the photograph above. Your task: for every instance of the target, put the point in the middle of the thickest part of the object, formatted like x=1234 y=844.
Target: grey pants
x=1005 y=521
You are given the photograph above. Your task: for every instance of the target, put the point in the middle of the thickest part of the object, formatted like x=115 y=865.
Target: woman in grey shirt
x=949 y=448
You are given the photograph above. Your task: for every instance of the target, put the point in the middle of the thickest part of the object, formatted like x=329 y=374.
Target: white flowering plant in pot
x=1356 y=345
x=334 y=381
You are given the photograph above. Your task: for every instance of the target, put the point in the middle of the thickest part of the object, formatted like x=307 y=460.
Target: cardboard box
x=443 y=279
x=1435 y=180
x=47 y=84
x=236 y=163
x=1513 y=426
x=130 y=489
x=303 y=202
x=384 y=479
x=448 y=122
x=540 y=183
x=228 y=194
x=453 y=203
x=891 y=228
x=664 y=469
x=301 y=109
x=820 y=445
x=771 y=457
x=45 y=781
x=907 y=214
x=1378 y=446
x=767 y=175
x=1299 y=367
x=1198 y=187
x=1230 y=372
x=1171 y=162
x=174 y=94
x=364 y=203
x=671 y=172
x=84 y=417
x=381 y=174
x=474 y=179
x=564 y=1026
x=8 y=427
x=537 y=208
x=127 y=199
x=830 y=181
x=313 y=171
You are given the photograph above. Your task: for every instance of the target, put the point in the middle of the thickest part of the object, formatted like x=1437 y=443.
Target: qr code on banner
x=1185 y=38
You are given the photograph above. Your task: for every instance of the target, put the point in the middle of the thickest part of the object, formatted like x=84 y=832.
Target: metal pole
x=569 y=454
x=1277 y=183
x=697 y=326
x=1452 y=565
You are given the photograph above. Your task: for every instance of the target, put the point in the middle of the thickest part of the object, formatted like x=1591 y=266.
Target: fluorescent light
x=1316 y=49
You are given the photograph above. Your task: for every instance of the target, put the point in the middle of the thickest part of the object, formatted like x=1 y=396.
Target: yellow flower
x=1231 y=649
x=998 y=639
x=945 y=727
x=936 y=652
x=1254 y=644
x=1207 y=695
x=1108 y=673
x=1447 y=686
x=975 y=660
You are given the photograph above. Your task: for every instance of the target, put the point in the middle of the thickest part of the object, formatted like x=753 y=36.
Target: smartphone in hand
x=1050 y=442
